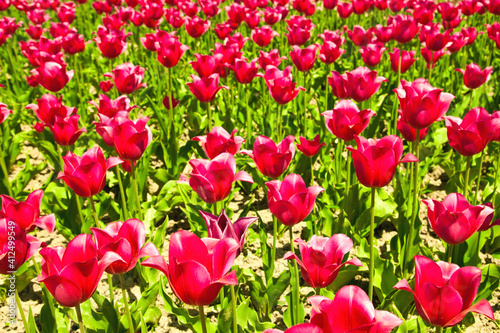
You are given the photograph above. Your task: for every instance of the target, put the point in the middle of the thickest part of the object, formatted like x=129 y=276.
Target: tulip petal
x=65 y=292
x=156 y=262
x=47 y=222
x=80 y=249
x=386 y=321
x=352 y=308
x=441 y=304
x=243 y=176
x=481 y=307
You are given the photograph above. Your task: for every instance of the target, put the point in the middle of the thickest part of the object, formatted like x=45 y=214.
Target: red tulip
x=430 y=57
x=66 y=130
x=206 y=65
x=244 y=72
x=350 y=311
x=435 y=40
x=470 y=135
x=4 y=112
x=127 y=77
x=405 y=28
x=474 y=76
x=264 y=35
x=271 y=159
x=407 y=60
x=448 y=11
x=252 y=18
x=310 y=147
x=362 y=83
x=71 y=275
x=272 y=15
x=48 y=107
x=469 y=8
x=169 y=102
x=330 y=4
x=360 y=36
x=421 y=103
x=130 y=137
x=283 y=89
x=26 y=214
x=346 y=121
x=169 y=51
x=53 y=76
x=205 y=88
x=297 y=35
x=322 y=258
x=300 y=328
x=495 y=121
x=372 y=54
x=457 y=41
x=345 y=9
x=220 y=227
x=16 y=247
x=455 y=220
x=380 y=4
x=230 y=52
x=126 y=239
x=210 y=8
x=375 y=161
x=196 y=27
x=408 y=132
x=291 y=201
x=383 y=34
x=197 y=269
x=111 y=43
x=223 y=30
x=330 y=52
x=444 y=292
x=272 y=58
x=67 y=12
x=236 y=13
x=219 y=141
x=73 y=43
x=361 y=6
x=338 y=83
x=304 y=59
x=86 y=175
x=35 y=31
x=106 y=85
x=110 y=107
x=494 y=7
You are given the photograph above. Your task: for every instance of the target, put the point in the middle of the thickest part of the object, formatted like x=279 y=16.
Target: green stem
x=317 y=290
x=202 y=319
x=416 y=190
x=279 y=121
x=94 y=212
x=111 y=292
x=136 y=191
x=275 y=236
x=467 y=173
x=431 y=66
x=79 y=207
x=125 y=302
x=209 y=113
x=439 y=329
x=21 y=311
x=6 y=175
x=470 y=99
x=80 y=320
x=305 y=105
x=235 y=314
x=214 y=209
x=122 y=191
x=372 y=248
x=478 y=181
x=495 y=185
x=293 y=298
x=449 y=253
x=395 y=109
x=249 y=119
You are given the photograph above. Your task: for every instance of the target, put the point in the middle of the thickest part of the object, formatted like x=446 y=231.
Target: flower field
x=270 y=166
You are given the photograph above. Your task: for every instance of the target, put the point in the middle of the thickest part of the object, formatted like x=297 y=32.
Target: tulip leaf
x=108 y=310
x=490 y=281
x=26 y=174
x=345 y=276
x=94 y=321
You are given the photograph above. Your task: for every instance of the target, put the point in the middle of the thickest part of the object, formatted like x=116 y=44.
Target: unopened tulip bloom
x=383 y=34
x=71 y=275
x=53 y=76
x=127 y=77
x=66 y=130
x=444 y=292
x=170 y=102
x=421 y=103
x=405 y=28
x=455 y=220
x=375 y=161
x=345 y=9
x=26 y=213
x=206 y=65
x=470 y=135
x=264 y=35
x=131 y=137
x=372 y=54
x=48 y=107
x=350 y=311
x=297 y=35
x=111 y=42
x=196 y=27
x=304 y=59
x=474 y=76
x=219 y=141
x=290 y=200
x=205 y=89
x=16 y=247
x=346 y=120
x=170 y=51
x=126 y=239
x=362 y=83
x=271 y=159
x=197 y=268
x=310 y=147
x=322 y=258
x=283 y=89
x=220 y=227
x=244 y=72
x=360 y=36
x=106 y=85
x=73 y=43
x=213 y=180
x=407 y=60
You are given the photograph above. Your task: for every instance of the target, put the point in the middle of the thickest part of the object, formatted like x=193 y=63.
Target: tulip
x=16 y=247
x=4 y=112
x=223 y=30
x=110 y=107
x=169 y=102
x=220 y=227
x=272 y=58
x=219 y=141
x=127 y=77
x=237 y=39
x=71 y=275
x=322 y=258
x=361 y=6
x=252 y=18
x=53 y=76
x=455 y=220
x=405 y=28
x=126 y=239
x=205 y=88
x=244 y=72
x=470 y=135
x=48 y=107
x=346 y=121
x=230 y=52
x=283 y=89
x=300 y=328
x=408 y=132
x=360 y=36
x=430 y=57
x=112 y=42
x=35 y=31
x=73 y=43
x=197 y=269
x=263 y=36
x=338 y=84
x=66 y=130
x=297 y=35
x=271 y=159
x=444 y=292
x=421 y=103
x=474 y=76
x=434 y=40
x=304 y=59
x=361 y=83
x=457 y=41
x=86 y=175
x=130 y=137
x=310 y=147
x=291 y=201
x=407 y=60
x=345 y=9
x=383 y=34
x=106 y=85
x=206 y=65
x=372 y=54
x=330 y=52
x=170 y=51
x=26 y=214
x=448 y=11
x=196 y=27
x=375 y=161
x=350 y=311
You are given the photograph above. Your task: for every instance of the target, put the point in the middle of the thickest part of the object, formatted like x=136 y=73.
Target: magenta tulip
x=244 y=72
x=111 y=42
x=205 y=88
x=300 y=328
x=310 y=147
x=66 y=130
x=346 y=120
x=372 y=53
x=304 y=59
x=407 y=132
x=48 y=107
x=474 y=76
x=330 y=52
x=219 y=141
x=130 y=137
x=53 y=76
x=362 y=83
x=4 y=112
x=407 y=60
x=110 y=107
x=264 y=35
x=127 y=77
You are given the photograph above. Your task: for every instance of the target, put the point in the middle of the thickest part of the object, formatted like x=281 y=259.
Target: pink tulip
x=330 y=52
x=310 y=147
x=205 y=88
x=362 y=83
x=26 y=213
x=291 y=201
x=130 y=137
x=444 y=292
x=408 y=132
x=66 y=130
x=48 y=107
x=271 y=159
x=421 y=103
x=196 y=27
x=372 y=54
x=169 y=51
x=474 y=76
x=322 y=258
x=219 y=141
x=300 y=328
x=360 y=36
x=350 y=311
x=213 y=180
x=4 y=112
x=304 y=59
x=270 y=59
x=407 y=60
x=383 y=34
x=169 y=102
x=405 y=28
x=280 y=84
x=264 y=35
x=297 y=35
x=53 y=76
x=375 y=161
x=345 y=9
x=244 y=72
x=346 y=121
x=111 y=42
x=126 y=239
x=338 y=83
x=197 y=269
x=206 y=65
x=455 y=220
x=127 y=77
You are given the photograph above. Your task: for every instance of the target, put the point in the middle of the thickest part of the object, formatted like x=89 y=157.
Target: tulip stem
x=439 y=329
x=125 y=303
x=79 y=207
x=94 y=212
x=478 y=181
x=249 y=119
x=214 y=208
x=21 y=311
x=449 y=254
x=416 y=190
x=431 y=66
x=275 y=236
x=495 y=187
x=235 y=314
x=122 y=191
x=6 y=176
x=305 y=105
x=467 y=173
x=209 y=113
x=317 y=291
x=110 y=285
x=295 y=299
x=202 y=319
x=80 y=320
x=372 y=248
x=470 y=99
x=395 y=109
x=279 y=121
x=136 y=191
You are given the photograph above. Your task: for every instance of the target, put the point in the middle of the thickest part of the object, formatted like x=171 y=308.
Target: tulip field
x=270 y=166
